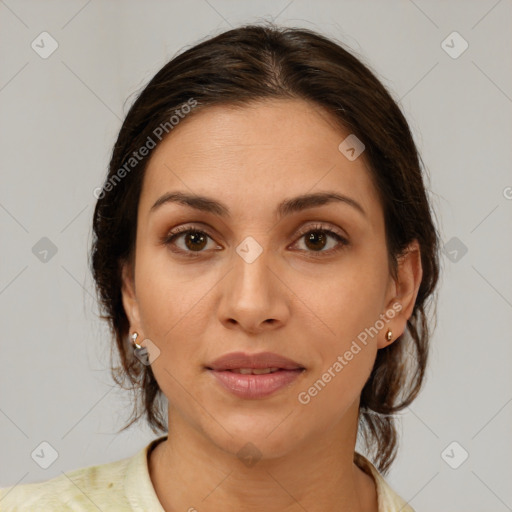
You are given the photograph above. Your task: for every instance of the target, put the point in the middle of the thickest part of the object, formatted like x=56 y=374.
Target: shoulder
x=388 y=499
x=89 y=488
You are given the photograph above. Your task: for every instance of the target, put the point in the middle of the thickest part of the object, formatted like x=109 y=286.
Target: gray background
x=59 y=119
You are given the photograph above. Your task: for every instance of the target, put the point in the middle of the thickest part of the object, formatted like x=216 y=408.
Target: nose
x=254 y=297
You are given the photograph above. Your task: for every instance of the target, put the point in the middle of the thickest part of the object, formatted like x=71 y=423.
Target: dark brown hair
x=258 y=62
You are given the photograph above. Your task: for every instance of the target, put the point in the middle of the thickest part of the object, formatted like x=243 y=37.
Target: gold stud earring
x=389 y=335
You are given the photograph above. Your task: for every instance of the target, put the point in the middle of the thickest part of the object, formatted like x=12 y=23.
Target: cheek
x=174 y=314
x=345 y=352
x=155 y=301
x=346 y=308
x=331 y=392
x=165 y=293
x=348 y=300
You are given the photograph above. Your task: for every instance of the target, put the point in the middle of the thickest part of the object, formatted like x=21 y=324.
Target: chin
x=269 y=437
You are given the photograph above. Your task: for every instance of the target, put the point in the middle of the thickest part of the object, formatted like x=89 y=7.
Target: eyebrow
x=285 y=208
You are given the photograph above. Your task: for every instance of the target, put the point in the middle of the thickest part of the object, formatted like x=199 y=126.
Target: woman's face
x=260 y=277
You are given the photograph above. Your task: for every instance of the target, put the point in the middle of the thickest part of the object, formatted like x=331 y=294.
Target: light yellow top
x=125 y=485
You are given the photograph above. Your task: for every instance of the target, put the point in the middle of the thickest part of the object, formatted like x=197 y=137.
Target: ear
x=402 y=293
x=131 y=306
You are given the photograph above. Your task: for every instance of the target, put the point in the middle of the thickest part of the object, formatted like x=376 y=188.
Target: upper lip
x=237 y=360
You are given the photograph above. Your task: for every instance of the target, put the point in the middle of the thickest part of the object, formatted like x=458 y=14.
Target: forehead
x=260 y=152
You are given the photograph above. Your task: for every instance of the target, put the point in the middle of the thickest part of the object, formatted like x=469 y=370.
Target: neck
x=191 y=472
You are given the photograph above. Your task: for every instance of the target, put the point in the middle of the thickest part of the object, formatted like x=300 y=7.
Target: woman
x=264 y=251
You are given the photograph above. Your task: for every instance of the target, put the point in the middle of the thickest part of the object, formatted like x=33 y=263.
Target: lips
x=264 y=360
x=254 y=376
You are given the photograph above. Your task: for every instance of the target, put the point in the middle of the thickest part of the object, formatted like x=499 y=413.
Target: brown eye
x=190 y=241
x=195 y=240
x=187 y=241
x=317 y=238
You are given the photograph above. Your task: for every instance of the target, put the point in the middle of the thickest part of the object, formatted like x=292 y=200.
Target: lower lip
x=255 y=386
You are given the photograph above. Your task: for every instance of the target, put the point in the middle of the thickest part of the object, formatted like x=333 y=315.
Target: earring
x=389 y=335
x=141 y=352
x=134 y=337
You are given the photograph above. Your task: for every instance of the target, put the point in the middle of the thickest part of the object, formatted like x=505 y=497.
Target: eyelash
x=170 y=238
